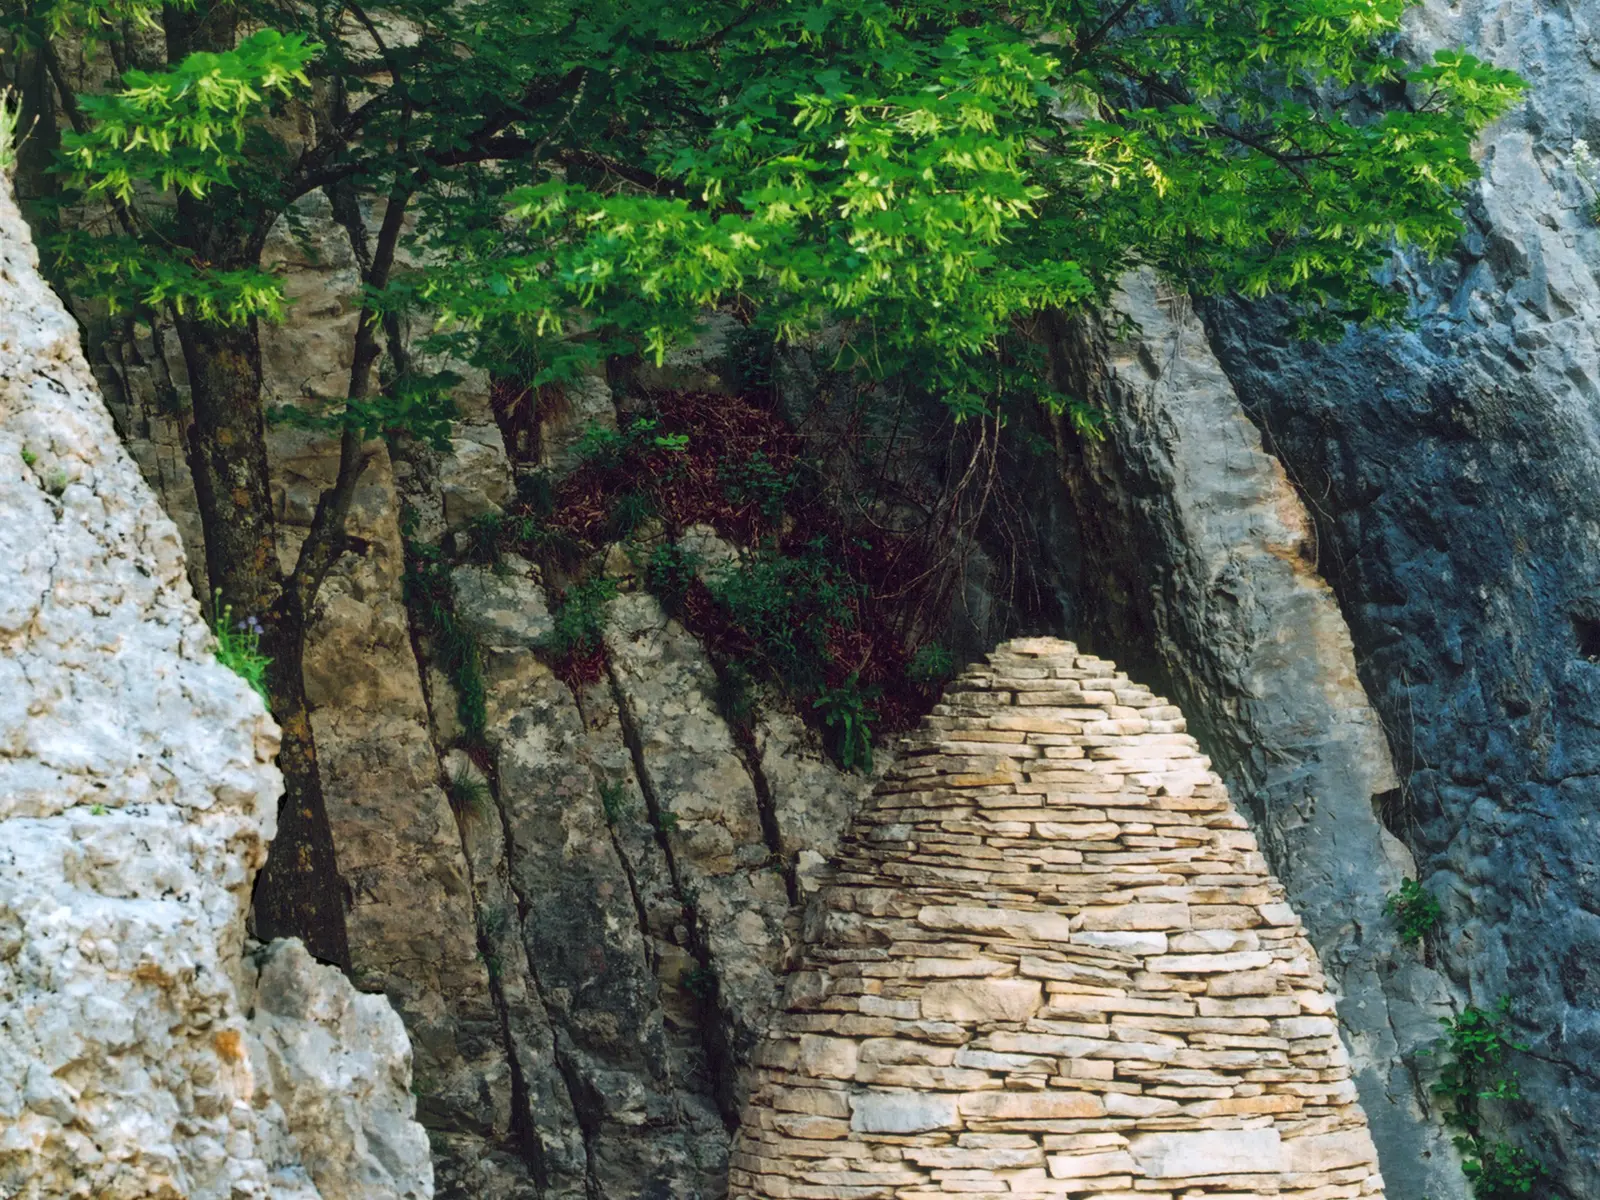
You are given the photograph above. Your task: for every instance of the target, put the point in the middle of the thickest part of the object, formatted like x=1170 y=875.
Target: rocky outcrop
x=1452 y=474
x=1179 y=545
x=1052 y=961
x=338 y=1064
x=137 y=797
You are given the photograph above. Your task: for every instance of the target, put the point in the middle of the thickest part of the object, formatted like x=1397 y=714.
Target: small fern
x=1416 y=913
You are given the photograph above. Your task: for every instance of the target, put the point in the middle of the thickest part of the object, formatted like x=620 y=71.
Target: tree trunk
x=299 y=893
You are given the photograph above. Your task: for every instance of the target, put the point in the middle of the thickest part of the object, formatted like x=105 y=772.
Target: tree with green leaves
x=922 y=178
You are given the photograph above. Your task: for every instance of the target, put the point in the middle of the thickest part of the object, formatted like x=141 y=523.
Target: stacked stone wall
x=1054 y=962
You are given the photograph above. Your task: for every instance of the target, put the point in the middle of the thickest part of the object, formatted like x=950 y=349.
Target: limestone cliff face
x=1453 y=476
x=585 y=921
x=585 y=943
x=137 y=797
x=585 y=946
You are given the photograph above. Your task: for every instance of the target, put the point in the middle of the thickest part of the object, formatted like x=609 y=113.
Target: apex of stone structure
x=1053 y=962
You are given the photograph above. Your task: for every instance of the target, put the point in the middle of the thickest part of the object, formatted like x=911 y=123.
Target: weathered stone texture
x=1053 y=962
x=137 y=796
x=338 y=1063
x=703 y=799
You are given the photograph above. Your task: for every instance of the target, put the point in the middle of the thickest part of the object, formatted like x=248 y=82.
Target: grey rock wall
x=1453 y=475
x=137 y=798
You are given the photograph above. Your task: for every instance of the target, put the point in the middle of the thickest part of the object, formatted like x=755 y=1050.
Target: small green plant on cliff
x=603 y=446
x=483 y=538
x=239 y=646
x=700 y=982
x=736 y=695
x=432 y=602
x=614 y=801
x=469 y=791
x=632 y=510
x=28 y=457
x=1416 y=913
x=10 y=121
x=1474 y=1049
x=930 y=665
x=847 y=713
x=789 y=607
x=1587 y=167
x=669 y=572
x=576 y=641
x=757 y=483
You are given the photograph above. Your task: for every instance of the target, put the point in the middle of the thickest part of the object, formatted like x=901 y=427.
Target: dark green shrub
x=756 y=482
x=789 y=609
x=1416 y=913
x=848 y=715
x=736 y=694
x=669 y=572
x=606 y=448
x=632 y=510
x=577 y=640
x=700 y=982
x=483 y=538
x=931 y=664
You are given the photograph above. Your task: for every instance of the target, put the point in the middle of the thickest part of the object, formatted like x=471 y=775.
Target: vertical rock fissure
x=563 y=1064
x=588 y=1125
x=647 y=787
x=744 y=741
x=719 y=1054
x=651 y=958
x=523 y=1135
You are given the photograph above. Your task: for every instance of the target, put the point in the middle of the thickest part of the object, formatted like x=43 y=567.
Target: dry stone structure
x=1053 y=962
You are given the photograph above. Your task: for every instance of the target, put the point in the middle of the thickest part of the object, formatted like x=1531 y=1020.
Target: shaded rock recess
x=1053 y=962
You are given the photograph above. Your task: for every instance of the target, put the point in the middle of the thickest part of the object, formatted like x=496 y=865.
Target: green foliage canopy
x=931 y=174
x=923 y=175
